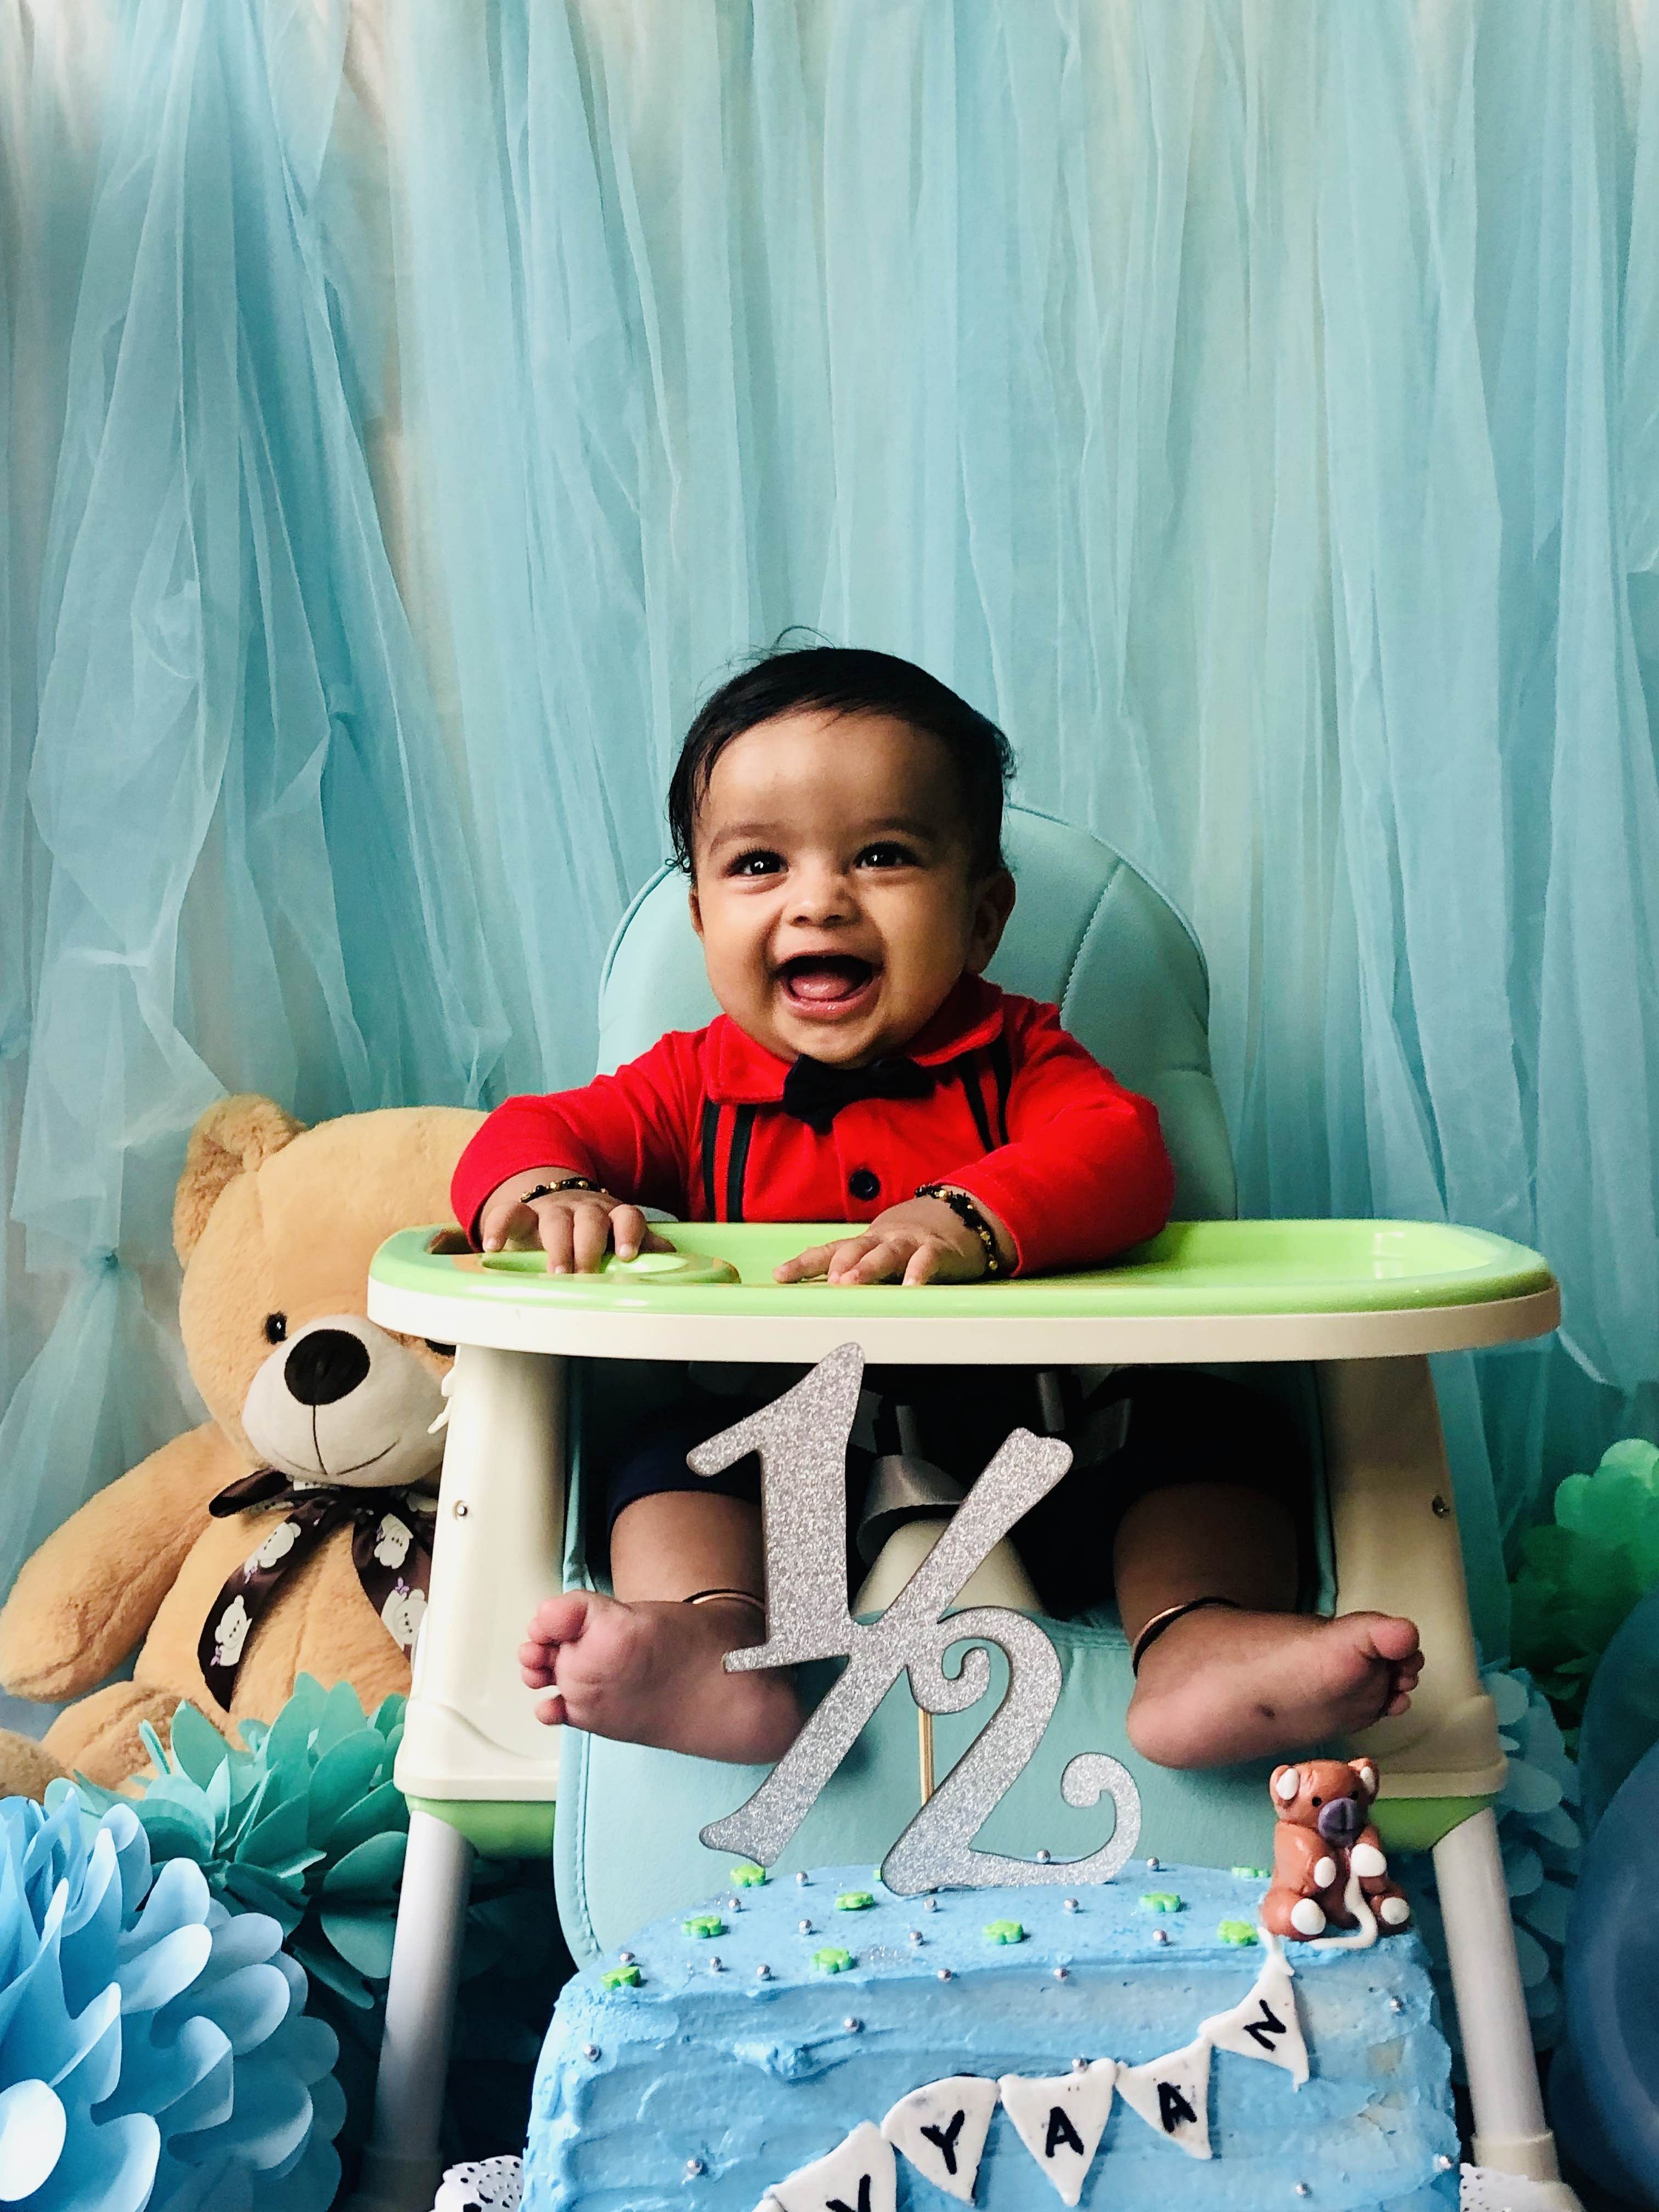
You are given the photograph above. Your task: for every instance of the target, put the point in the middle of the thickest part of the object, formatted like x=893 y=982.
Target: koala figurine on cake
x=290 y=1533
x=1325 y=1835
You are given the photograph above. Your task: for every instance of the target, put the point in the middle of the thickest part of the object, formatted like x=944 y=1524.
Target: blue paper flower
x=307 y=1826
x=1541 y=1841
x=154 y=2050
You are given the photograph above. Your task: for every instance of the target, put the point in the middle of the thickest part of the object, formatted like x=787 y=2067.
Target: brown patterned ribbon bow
x=391 y=1549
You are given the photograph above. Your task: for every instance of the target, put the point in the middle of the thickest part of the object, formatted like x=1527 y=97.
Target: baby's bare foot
x=650 y=1672
x=1218 y=1687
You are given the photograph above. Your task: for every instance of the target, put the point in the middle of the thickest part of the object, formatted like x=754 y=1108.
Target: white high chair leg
x=402 y=2167
x=1511 y=2134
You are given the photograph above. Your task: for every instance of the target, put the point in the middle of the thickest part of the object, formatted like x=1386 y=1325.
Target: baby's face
x=835 y=891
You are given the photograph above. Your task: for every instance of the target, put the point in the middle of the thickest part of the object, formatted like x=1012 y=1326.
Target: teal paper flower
x=154 y=2050
x=1540 y=1842
x=1583 y=1571
x=307 y=1827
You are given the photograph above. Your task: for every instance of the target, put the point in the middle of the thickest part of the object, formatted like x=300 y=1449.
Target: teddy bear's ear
x=1284 y=1782
x=231 y=1137
x=1366 y=1770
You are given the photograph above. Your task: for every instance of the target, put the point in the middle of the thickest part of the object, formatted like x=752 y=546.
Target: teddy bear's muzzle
x=1340 y=1821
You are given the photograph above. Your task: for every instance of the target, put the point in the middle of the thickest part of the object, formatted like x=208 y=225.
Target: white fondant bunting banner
x=1060 y=2120
x=858 y=2176
x=1264 y=2024
x=1172 y=2094
x=941 y=2130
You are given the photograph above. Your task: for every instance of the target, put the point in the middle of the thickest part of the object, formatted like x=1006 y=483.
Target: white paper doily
x=485 y=2185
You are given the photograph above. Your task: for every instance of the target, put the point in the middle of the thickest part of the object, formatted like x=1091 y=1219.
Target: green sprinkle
x=1237 y=1931
x=621 y=1978
x=748 y=1877
x=1004 y=1931
x=855 y=1900
x=1250 y=1874
x=1162 y=1900
x=705 y=1924
x=830 y=1960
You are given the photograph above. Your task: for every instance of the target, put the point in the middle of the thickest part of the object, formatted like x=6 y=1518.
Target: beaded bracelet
x=565 y=1182
x=969 y=1214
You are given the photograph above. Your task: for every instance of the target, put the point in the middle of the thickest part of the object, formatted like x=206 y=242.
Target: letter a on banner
x=1172 y=2094
x=1061 y=2119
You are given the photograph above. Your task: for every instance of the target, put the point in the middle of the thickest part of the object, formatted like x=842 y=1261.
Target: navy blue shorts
x=1143 y=1429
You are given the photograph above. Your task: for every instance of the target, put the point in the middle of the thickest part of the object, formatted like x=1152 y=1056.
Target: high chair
x=1338 y=1317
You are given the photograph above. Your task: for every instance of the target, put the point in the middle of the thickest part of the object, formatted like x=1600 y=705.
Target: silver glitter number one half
x=802 y=1439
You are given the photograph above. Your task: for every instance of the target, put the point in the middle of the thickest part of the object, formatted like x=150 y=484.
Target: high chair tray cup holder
x=1356 y=1308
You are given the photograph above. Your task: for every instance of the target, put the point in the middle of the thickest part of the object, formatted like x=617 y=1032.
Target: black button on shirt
x=864 y=1182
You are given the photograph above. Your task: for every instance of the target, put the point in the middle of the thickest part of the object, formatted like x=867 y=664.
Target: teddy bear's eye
x=275 y=1327
x=1318 y=1801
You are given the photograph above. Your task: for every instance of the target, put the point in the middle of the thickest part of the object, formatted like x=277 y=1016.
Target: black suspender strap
x=737 y=1159
x=968 y=1077
x=1003 y=1073
x=711 y=1128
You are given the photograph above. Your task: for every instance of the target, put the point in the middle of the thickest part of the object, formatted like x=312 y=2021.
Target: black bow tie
x=815 y=1092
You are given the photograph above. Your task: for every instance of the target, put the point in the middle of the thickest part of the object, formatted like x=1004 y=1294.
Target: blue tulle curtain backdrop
x=409 y=410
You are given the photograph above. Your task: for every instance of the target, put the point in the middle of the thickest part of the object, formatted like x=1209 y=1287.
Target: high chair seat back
x=1088 y=934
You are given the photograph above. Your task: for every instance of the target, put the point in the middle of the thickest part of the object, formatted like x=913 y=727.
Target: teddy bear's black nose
x=1339 y=1821
x=324 y=1366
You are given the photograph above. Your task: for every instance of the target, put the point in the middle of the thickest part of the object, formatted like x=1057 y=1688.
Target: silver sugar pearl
x=1044 y=1857
x=1060 y=1972
x=805 y=1926
x=716 y=1967
x=1397 y=2004
x=944 y=1973
x=914 y=1935
x=734 y=1905
x=590 y=2051
x=693 y=2167
x=930 y=1905
x=1302 y=2190
x=762 y=1972
x=1442 y=2164
x=626 y=1958
x=1071 y=1904
x=1152 y=1866
x=802 y=1879
x=1160 y=1934
x=1080 y=2066
x=852 y=2024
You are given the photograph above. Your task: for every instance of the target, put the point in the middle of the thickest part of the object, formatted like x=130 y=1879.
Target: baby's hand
x=574 y=1228
x=920 y=1241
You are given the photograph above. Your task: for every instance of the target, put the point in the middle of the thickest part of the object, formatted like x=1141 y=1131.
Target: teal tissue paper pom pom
x=1540 y=1836
x=154 y=2055
x=305 y=1823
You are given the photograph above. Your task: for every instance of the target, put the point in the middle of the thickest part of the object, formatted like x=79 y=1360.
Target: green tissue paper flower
x=307 y=1825
x=1583 y=1571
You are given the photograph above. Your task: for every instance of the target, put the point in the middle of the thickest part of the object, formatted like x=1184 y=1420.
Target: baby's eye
x=759 y=862
x=888 y=854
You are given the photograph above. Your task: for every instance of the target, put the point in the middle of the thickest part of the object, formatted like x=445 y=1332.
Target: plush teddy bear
x=1323 y=1835
x=290 y=1533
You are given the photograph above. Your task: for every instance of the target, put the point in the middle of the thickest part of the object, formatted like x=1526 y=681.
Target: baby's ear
x=233 y=1137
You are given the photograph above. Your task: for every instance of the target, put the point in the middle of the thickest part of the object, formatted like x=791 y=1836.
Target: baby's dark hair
x=839 y=679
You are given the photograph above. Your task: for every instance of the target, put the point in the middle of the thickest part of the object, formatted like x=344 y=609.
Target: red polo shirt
x=1020 y=1116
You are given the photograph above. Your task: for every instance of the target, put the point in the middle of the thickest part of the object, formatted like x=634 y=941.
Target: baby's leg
x=644 y=1667
x=1219 y=1685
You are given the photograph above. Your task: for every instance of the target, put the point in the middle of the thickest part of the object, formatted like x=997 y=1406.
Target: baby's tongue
x=823 y=981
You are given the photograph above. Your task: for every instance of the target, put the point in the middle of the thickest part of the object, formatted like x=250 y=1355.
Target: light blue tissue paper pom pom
x=1539 y=1836
x=154 y=2055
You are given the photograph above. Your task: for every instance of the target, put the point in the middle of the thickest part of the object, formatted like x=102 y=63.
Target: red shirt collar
x=738 y=1072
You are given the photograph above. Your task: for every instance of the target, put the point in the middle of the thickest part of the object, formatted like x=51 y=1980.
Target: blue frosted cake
x=804 y=2047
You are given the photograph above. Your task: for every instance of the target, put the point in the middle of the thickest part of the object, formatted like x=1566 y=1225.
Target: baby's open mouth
x=826 y=980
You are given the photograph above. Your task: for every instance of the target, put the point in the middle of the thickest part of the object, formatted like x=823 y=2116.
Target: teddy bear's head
x=276 y=1224
x=1333 y=1795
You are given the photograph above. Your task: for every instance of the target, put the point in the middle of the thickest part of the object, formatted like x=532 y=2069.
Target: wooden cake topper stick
x=801 y=1439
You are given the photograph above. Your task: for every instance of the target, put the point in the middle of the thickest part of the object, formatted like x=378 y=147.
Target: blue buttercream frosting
x=705 y=2084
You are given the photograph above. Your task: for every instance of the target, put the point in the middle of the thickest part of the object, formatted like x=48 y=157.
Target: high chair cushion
x=1089 y=934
